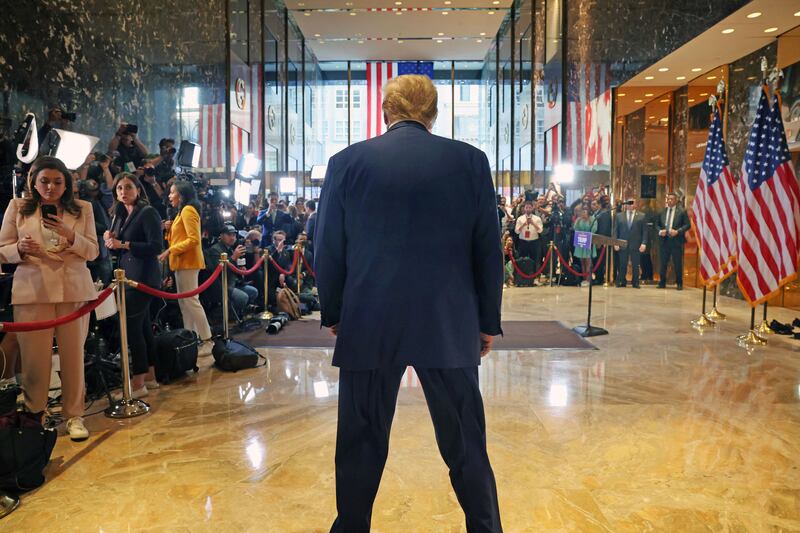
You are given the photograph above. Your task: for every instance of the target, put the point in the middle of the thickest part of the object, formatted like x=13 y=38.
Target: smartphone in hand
x=48 y=210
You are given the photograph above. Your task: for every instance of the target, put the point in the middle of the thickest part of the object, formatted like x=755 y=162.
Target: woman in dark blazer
x=135 y=237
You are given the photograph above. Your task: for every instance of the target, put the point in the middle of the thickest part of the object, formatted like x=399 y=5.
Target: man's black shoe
x=636 y=286
x=779 y=328
x=662 y=286
x=680 y=287
x=796 y=322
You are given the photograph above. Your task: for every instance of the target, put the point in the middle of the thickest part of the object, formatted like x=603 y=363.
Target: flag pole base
x=589 y=331
x=703 y=322
x=751 y=338
x=715 y=315
x=8 y=502
x=763 y=329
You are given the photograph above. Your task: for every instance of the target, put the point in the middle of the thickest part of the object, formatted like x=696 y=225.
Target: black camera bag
x=176 y=354
x=231 y=355
x=25 y=448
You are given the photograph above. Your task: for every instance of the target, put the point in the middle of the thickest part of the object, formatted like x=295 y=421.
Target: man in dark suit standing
x=399 y=288
x=603 y=216
x=672 y=225
x=273 y=219
x=630 y=226
x=311 y=222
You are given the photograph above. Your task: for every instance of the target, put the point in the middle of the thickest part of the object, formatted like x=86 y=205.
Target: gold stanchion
x=606 y=281
x=751 y=338
x=8 y=502
x=703 y=322
x=763 y=329
x=299 y=251
x=552 y=245
x=223 y=260
x=714 y=314
x=126 y=407
x=266 y=315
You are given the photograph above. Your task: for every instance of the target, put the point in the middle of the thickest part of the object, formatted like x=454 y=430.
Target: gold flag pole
x=714 y=314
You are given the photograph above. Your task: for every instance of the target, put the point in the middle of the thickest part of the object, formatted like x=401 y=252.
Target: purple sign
x=583 y=239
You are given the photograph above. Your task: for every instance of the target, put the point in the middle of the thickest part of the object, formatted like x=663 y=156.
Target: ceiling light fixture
x=797 y=14
x=771 y=30
x=360 y=42
x=754 y=15
x=398 y=13
x=648 y=77
x=491 y=12
x=447 y=2
x=439 y=41
x=307 y=14
x=664 y=101
x=680 y=77
x=726 y=31
x=483 y=33
x=703 y=94
x=696 y=69
x=620 y=94
x=398 y=3
x=663 y=69
x=711 y=77
x=651 y=116
x=317 y=35
x=691 y=100
x=445 y=12
x=353 y=14
x=648 y=94
x=637 y=101
x=400 y=42
x=440 y=34
x=478 y=40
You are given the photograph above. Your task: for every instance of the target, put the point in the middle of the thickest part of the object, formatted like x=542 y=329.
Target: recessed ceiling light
x=738 y=69
x=398 y=3
x=620 y=94
x=317 y=35
x=301 y=4
x=711 y=77
x=696 y=69
x=447 y=2
x=754 y=15
x=703 y=94
x=445 y=12
x=478 y=40
x=771 y=30
x=648 y=94
x=353 y=14
x=496 y=2
x=440 y=34
x=680 y=77
x=360 y=42
x=652 y=116
x=664 y=101
x=307 y=14
x=797 y=14
x=398 y=13
x=648 y=77
x=637 y=101
x=726 y=31
x=439 y=41
x=691 y=100
x=491 y=12
x=400 y=42
x=751 y=78
x=483 y=33
x=664 y=119
x=348 y=4
x=619 y=122
x=663 y=69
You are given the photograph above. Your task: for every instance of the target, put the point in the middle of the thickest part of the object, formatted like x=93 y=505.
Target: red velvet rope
x=251 y=270
x=291 y=269
x=173 y=296
x=582 y=274
x=308 y=267
x=19 y=327
x=535 y=274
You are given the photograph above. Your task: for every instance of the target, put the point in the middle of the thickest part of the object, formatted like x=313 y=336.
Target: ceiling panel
x=405 y=51
x=365 y=4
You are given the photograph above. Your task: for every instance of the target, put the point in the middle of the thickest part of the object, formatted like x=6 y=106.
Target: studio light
x=70 y=147
x=188 y=155
x=318 y=172
x=287 y=185
x=564 y=173
x=248 y=166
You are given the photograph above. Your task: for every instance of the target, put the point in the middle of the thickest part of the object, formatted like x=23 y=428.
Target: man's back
x=408 y=261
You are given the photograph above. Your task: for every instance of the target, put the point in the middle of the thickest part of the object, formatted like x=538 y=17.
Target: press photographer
x=130 y=148
x=240 y=294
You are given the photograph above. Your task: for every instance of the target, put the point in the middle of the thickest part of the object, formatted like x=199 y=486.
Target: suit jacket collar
x=407 y=123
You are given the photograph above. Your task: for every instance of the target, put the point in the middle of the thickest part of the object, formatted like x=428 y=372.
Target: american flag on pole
x=769 y=218
x=589 y=116
x=714 y=210
x=211 y=137
x=378 y=74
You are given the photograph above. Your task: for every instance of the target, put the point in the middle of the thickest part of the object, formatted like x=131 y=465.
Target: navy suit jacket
x=142 y=229
x=408 y=284
x=283 y=222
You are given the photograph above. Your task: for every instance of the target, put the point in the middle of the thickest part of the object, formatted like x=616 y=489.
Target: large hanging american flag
x=769 y=197
x=714 y=209
x=380 y=72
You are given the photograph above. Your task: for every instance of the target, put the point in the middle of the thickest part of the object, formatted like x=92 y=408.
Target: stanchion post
x=714 y=314
x=606 y=281
x=299 y=251
x=552 y=245
x=266 y=315
x=223 y=260
x=751 y=338
x=125 y=407
x=703 y=321
x=764 y=329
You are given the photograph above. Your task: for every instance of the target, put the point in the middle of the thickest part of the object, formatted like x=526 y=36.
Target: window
x=341 y=98
x=464 y=90
x=356 y=99
x=340 y=132
x=357 y=134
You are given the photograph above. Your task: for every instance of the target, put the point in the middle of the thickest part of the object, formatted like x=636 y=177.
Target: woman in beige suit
x=51 y=281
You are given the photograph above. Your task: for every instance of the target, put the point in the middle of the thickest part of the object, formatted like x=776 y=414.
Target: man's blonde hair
x=411 y=97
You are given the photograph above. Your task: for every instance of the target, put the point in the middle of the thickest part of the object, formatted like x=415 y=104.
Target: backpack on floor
x=289 y=303
x=176 y=354
x=231 y=355
x=25 y=448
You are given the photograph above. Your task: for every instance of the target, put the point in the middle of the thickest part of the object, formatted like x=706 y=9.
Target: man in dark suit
x=273 y=219
x=672 y=225
x=311 y=223
x=602 y=214
x=399 y=288
x=630 y=226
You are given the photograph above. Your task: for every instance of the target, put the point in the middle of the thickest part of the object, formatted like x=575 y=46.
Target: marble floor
x=661 y=429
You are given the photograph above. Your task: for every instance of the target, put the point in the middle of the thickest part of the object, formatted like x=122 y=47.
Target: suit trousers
x=367 y=401
x=671 y=249
x=141 y=342
x=36 y=348
x=531 y=249
x=626 y=254
x=194 y=316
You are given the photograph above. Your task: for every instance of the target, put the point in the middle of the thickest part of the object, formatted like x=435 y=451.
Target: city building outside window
x=341 y=98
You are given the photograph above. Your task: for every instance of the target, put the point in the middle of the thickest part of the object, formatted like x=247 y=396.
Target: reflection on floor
x=661 y=429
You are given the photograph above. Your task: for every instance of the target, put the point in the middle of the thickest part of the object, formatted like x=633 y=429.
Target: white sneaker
x=206 y=348
x=135 y=394
x=76 y=430
x=152 y=384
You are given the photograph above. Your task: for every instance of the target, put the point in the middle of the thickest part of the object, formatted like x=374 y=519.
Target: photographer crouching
x=240 y=294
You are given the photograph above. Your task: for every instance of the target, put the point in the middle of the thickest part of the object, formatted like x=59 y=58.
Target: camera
x=69 y=116
x=130 y=128
x=149 y=171
x=276 y=323
x=628 y=202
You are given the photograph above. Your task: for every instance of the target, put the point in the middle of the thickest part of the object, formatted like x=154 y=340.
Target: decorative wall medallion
x=506 y=133
x=271 y=118
x=241 y=93
x=292 y=134
x=525 y=116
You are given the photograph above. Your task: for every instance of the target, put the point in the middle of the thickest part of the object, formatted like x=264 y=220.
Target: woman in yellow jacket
x=185 y=254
